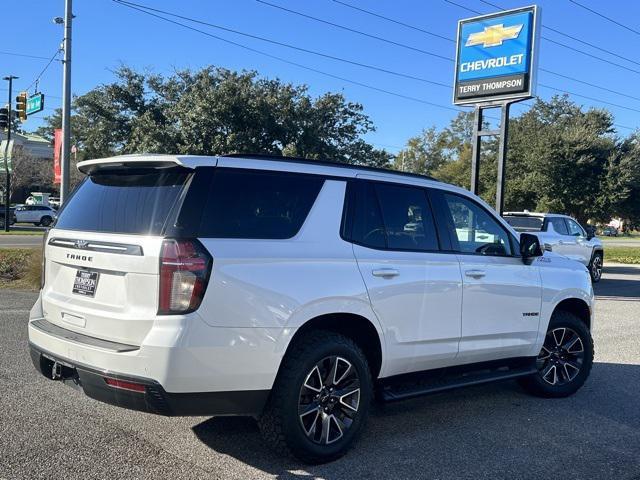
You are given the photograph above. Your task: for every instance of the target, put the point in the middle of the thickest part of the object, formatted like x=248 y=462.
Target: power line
x=575 y=39
x=605 y=17
x=231 y=42
x=556 y=42
x=542 y=69
x=414 y=48
x=353 y=30
x=589 y=84
x=288 y=45
x=37 y=79
x=146 y=9
x=413 y=27
x=14 y=54
x=447 y=58
x=141 y=8
x=48 y=96
x=589 y=98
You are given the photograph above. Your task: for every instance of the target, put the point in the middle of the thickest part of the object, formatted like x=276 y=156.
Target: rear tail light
x=185 y=266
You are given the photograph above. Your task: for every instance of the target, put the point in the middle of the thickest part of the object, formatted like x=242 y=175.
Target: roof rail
x=328 y=163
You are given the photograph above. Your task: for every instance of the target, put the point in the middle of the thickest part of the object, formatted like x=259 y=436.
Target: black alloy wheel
x=329 y=400
x=595 y=269
x=561 y=356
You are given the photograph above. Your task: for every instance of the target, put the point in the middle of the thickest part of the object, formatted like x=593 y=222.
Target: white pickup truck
x=561 y=234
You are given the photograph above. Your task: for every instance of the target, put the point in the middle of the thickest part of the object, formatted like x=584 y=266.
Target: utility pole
x=66 y=104
x=7 y=185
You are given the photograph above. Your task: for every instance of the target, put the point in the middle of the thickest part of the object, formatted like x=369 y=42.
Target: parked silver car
x=561 y=234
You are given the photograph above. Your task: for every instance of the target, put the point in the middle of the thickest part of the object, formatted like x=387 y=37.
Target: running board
x=412 y=385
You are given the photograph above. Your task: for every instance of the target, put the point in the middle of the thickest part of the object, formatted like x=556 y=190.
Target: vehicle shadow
x=619 y=282
x=492 y=431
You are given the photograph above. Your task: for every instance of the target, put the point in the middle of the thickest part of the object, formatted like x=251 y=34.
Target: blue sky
x=107 y=34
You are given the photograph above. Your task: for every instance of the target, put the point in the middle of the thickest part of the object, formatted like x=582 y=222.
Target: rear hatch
x=102 y=256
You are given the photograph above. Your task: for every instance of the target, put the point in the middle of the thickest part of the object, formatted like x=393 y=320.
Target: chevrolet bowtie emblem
x=493 y=36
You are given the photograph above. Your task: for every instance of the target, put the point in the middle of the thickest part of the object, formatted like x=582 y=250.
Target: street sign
x=496 y=57
x=35 y=103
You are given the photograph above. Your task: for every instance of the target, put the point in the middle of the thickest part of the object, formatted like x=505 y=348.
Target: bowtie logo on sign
x=493 y=36
x=495 y=57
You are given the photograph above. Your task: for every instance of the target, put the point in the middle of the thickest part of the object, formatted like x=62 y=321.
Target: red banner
x=57 y=153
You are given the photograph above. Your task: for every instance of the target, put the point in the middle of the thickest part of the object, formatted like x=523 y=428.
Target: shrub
x=20 y=267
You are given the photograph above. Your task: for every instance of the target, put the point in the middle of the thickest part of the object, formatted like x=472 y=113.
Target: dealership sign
x=495 y=57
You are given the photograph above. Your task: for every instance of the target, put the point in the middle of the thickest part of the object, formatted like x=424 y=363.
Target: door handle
x=475 y=273
x=385 y=272
x=560 y=242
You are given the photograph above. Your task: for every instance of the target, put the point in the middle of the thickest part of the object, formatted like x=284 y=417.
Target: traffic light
x=21 y=106
x=4 y=118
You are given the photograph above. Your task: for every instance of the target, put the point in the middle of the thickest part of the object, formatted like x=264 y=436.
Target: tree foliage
x=217 y=111
x=561 y=158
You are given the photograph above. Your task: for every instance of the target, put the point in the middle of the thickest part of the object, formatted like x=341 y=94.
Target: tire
x=46 y=221
x=595 y=267
x=302 y=384
x=555 y=379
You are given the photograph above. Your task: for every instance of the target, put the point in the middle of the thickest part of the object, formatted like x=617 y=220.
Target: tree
x=30 y=174
x=216 y=111
x=424 y=153
x=623 y=180
x=560 y=156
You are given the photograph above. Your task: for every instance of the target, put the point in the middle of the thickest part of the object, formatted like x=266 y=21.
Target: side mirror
x=590 y=235
x=529 y=246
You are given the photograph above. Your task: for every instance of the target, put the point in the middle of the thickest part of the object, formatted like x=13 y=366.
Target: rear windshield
x=525 y=224
x=134 y=202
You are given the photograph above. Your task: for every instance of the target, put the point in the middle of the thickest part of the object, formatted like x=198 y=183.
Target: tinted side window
x=574 y=229
x=368 y=229
x=475 y=230
x=407 y=218
x=559 y=226
x=258 y=204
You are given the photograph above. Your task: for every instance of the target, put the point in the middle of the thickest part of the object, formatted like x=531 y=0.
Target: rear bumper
x=154 y=399
x=186 y=366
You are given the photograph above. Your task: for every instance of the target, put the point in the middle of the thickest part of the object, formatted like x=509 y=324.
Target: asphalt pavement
x=20 y=241
x=50 y=431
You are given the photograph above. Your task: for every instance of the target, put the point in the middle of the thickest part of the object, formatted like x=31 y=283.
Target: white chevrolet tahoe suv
x=295 y=291
x=561 y=234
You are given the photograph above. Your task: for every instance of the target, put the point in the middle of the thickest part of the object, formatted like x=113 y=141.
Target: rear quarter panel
x=281 y=284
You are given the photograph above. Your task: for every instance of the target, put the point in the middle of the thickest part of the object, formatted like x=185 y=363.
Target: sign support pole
x=502 y=156
x=7 y=186
x=476 y=145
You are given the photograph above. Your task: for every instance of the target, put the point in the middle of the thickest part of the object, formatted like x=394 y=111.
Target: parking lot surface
x=48 y=430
